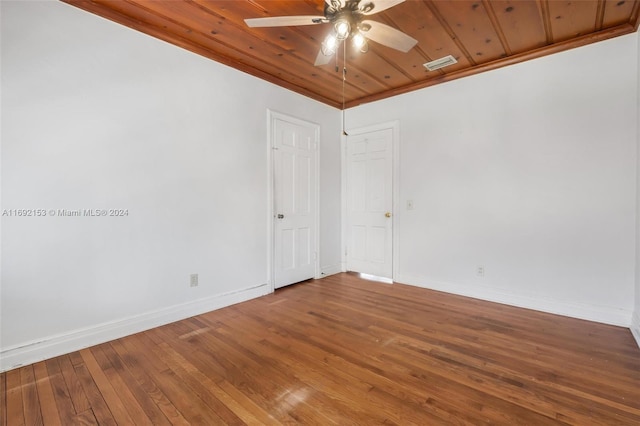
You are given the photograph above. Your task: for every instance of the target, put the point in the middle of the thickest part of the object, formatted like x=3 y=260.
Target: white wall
x=529 y=171
x=635 y=325
x=98 y=116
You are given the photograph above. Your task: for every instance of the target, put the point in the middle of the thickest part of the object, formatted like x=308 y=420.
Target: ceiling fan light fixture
x=364 y=27
x=329 y=45
x=342 y=28
x=360 y=42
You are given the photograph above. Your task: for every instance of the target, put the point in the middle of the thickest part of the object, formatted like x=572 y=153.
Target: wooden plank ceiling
x=481 y=34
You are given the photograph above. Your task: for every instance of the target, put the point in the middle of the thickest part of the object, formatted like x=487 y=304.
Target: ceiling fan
x=348 y=19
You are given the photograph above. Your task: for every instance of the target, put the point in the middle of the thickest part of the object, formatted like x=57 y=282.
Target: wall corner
x=635 y=326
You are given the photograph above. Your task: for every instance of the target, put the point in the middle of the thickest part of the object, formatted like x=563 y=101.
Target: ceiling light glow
x=329 y=45
x=342 y=29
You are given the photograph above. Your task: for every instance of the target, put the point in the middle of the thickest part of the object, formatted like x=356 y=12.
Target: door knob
x=387 y=214
x=280 y=216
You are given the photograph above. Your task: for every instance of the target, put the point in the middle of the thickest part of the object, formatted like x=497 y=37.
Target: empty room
x=350 y=212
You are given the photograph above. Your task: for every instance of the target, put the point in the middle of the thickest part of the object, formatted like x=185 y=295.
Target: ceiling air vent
x=440 y=63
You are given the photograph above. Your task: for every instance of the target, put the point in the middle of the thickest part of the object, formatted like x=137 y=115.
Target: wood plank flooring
x=342 y=351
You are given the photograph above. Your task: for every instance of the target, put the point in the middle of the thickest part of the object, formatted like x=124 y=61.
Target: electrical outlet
x=409 y=204
x=193 y=282
x=480 y=271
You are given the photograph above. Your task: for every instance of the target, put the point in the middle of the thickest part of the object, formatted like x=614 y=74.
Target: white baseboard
x=61 y=344
x=635 y=326
x=325 y=271
x=602 y=314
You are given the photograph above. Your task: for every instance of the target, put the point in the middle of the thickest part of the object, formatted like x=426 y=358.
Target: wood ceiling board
x=471 y=24
x=521 y=23
x=365 y=80
x=571 y=19
x=617 y=12
x=384 y=72
x=409 y=64
x=240 y=10
x=433 y=41
x=370 y=70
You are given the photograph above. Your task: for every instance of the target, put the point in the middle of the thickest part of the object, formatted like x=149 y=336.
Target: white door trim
x=395 y=142
x=271 y=212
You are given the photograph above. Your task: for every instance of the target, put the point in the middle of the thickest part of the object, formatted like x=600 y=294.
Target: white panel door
x=369 y=203
x=295 y=205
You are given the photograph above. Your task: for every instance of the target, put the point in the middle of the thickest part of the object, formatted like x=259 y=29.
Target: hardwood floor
x=342 y=351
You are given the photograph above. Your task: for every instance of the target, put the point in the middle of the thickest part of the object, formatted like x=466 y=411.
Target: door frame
x=394 y=126
x=271 y=210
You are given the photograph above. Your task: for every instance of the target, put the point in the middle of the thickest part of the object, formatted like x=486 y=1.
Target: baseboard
x=635 y=326
x=602 y=314
x=53 y=346
x=325 y=271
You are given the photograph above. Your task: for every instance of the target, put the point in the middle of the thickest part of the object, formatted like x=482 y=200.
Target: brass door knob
x=387 y=214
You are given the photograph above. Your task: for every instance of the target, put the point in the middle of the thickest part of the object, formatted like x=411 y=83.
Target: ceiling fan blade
x=388 y=36
x=285 y=21
x=322 y=59
x=380 y=5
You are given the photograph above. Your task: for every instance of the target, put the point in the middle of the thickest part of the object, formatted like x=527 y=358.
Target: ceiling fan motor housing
x=351 y=14
x=351 y=8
